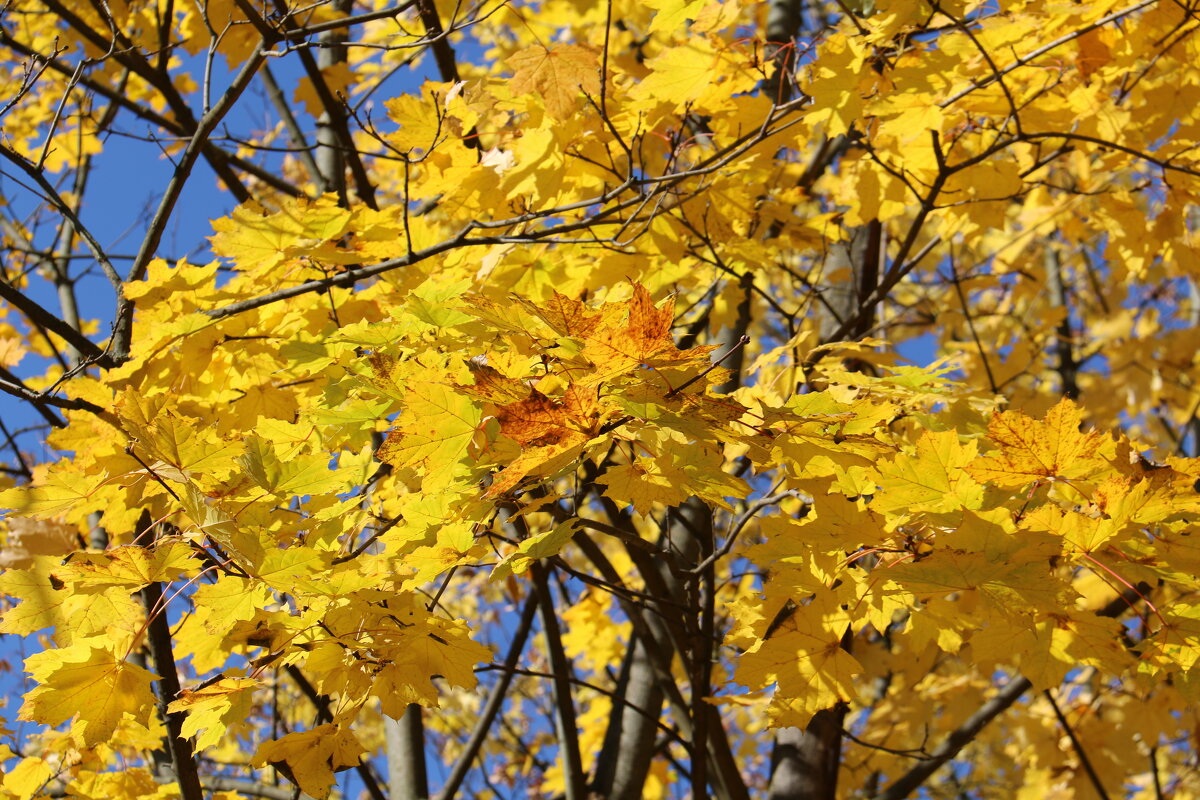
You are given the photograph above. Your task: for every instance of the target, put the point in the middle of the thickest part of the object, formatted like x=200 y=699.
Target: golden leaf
x=1032 y=450
x=558 y=74
x=310 y=758
x=89 y=680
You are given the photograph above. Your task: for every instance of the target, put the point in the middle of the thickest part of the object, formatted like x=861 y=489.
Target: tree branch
x=628 y=748
x=966 y=732
x=212 y=154
x=52 y=196
x=11 y=384
x=336 y=121
x=1080 y=753
x=495 y=700
x=129 y=56
x=41 y=317
x=443 y=53
x=324 y=714
x=158 y=638
x=405 y=743
x=959 y=738
x=564 y=705
x=252 y=788
x=284 y=110
x=123 y=329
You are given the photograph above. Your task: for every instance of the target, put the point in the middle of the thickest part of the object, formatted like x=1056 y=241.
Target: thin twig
x=738 y=345
x=1080 y=753
x=1027 y=58
x=736 y=529
x=52 y=196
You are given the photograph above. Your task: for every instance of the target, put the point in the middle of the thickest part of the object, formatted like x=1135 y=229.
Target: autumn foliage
x=615 y=399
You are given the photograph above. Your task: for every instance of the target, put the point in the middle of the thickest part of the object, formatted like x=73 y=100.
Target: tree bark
x=405 y=743
x=158 y=639
x=628 y=749
x=331 y=162
x=804 y=763
x=626 y=755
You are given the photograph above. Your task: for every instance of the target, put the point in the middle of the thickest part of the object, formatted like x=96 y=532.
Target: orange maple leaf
x=550 y=432
x=643 y=339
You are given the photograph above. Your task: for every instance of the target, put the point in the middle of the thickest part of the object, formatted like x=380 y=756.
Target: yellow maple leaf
x=1094 y=52
x=89 y=680
x=1082 y=532
x=52 y=492
x=680 y=74
x=213 y=707
x=422 y=125
x=12 y=348
x=338 y=77
x=43 y=597
x=803 y=656
x=295 y=568
x=455 y=544
x=300 y=473
x=411 y=648
x=541 y=545
x=565 y=315
x=445 y=649
x=592 y=636
x=558 y=74
x=836 y=524
x=131 y=566
x=1032 y=450
x=930 y=480
x=1001 y=586
x=28 y=777
x=257 y=239
x=645 y=482
x=26 y=538
x=128 y=783
x=838 y=81
x=176 y=447
x=1026 y=641
x=231 y=599
x=438 y=422
x=52 y=596
x=310 y=758
x=673 y=14
x=494 y=386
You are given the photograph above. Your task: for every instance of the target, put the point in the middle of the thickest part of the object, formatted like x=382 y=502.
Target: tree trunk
x=628 y=749
x=331 y=162
x=405 y=743
x=626 y=754
x=804 y=763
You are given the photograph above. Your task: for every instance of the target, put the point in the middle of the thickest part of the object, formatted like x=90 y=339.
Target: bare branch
x=43 y=318
x=158 y=639
x=495 y=700
x=51 y=195
x=123 y=329
x=1080 y=752
x=564 y=705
